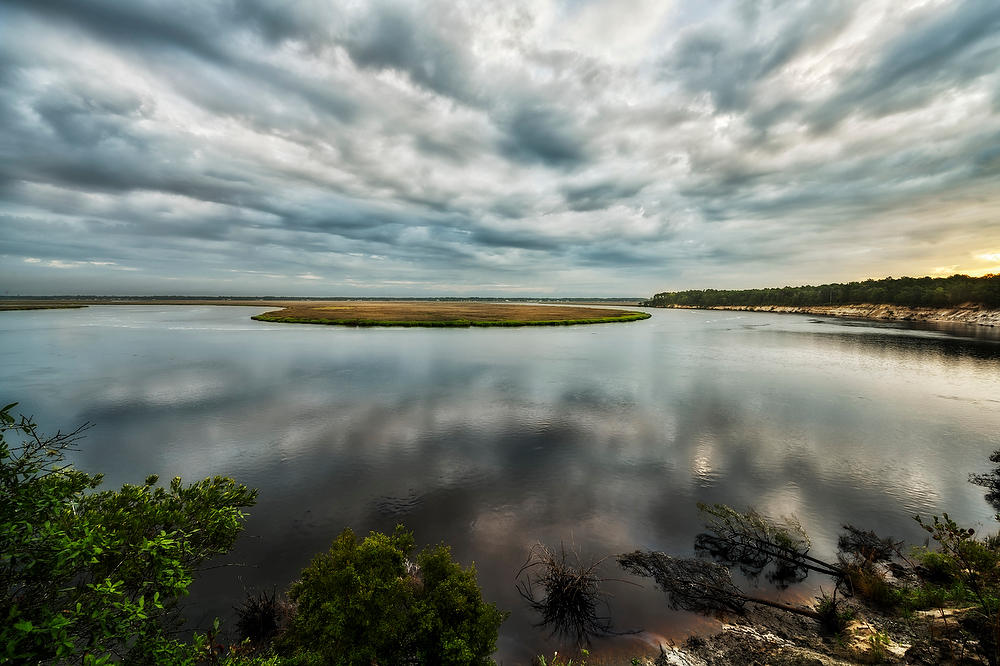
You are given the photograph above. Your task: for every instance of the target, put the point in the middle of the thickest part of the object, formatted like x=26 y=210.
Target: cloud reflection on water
x=492 y=440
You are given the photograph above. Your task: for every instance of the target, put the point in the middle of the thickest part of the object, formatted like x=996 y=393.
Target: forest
x=931 y=292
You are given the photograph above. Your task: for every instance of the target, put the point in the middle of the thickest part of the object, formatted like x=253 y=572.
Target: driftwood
x=698 y=585
x=753 y=542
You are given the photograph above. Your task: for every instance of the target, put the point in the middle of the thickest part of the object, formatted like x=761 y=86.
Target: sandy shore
x=958 y=315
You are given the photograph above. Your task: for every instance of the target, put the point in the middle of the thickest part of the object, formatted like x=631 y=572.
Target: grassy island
x=444 y=314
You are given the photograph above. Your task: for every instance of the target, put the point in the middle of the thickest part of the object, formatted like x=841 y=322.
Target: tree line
x=906 y=291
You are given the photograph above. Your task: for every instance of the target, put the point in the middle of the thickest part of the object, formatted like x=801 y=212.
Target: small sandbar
x=449 y=314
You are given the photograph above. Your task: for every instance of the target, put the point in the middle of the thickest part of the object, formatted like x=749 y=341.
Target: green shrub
x=367 y=602
x=976 y=571
x=95 y=576
x=935 y=566
x=870 y=584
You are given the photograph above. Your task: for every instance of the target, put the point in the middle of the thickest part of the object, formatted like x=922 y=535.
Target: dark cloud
x=511 y=206
x=599 y=196
x=519 y=239
x=545 y=135
x=393 y=37
x=87 y=118
x=986 y=156
x=624 y=257
x=190 y=26
x=307 y=21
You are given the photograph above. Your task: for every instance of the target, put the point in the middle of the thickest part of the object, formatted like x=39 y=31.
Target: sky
x=516 y=148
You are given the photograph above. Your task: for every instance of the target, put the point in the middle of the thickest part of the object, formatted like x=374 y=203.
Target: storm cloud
x=522 y=148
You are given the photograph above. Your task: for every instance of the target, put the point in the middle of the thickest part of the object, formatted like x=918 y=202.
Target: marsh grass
x=458 y=323
x=447 y=315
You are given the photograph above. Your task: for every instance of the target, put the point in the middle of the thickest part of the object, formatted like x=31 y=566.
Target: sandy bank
x=957 y=315
x=776 y=639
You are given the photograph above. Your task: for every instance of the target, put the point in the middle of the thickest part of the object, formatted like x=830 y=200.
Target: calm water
x=492 y=439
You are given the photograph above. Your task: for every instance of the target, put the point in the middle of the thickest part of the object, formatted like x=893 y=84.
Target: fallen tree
x=699 y=585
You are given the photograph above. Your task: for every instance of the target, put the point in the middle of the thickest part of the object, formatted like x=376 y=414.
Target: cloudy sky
x=565 y=148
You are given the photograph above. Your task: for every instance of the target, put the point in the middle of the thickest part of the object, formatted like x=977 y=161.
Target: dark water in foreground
x=492 y=439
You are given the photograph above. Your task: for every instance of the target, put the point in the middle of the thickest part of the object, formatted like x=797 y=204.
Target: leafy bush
x=871 y=585
x=95 y=576
x=367 y=602
x=974 y=564
x=934 y=566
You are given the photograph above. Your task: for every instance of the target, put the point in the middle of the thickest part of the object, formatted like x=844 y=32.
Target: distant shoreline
x=58 y=302
x=430 y=312
x=972 y=315
x=10 y=307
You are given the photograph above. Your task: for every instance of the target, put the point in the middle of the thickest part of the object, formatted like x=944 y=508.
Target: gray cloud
x=546 y=135
x=938 y=53
x=729 y=62
x=142 y=24
x=395 y=148
x=393 y=37
x=521 y=239
x=598 y=196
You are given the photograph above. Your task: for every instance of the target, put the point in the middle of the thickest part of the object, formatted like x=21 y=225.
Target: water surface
x=600 y=436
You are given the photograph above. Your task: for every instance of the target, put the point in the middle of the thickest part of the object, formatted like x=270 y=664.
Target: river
x=601 y=437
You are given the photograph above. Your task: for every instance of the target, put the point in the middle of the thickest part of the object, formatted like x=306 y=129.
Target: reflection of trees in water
x=901 y=344
x=754 y=542
x=566 y=592
x=990 y=481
